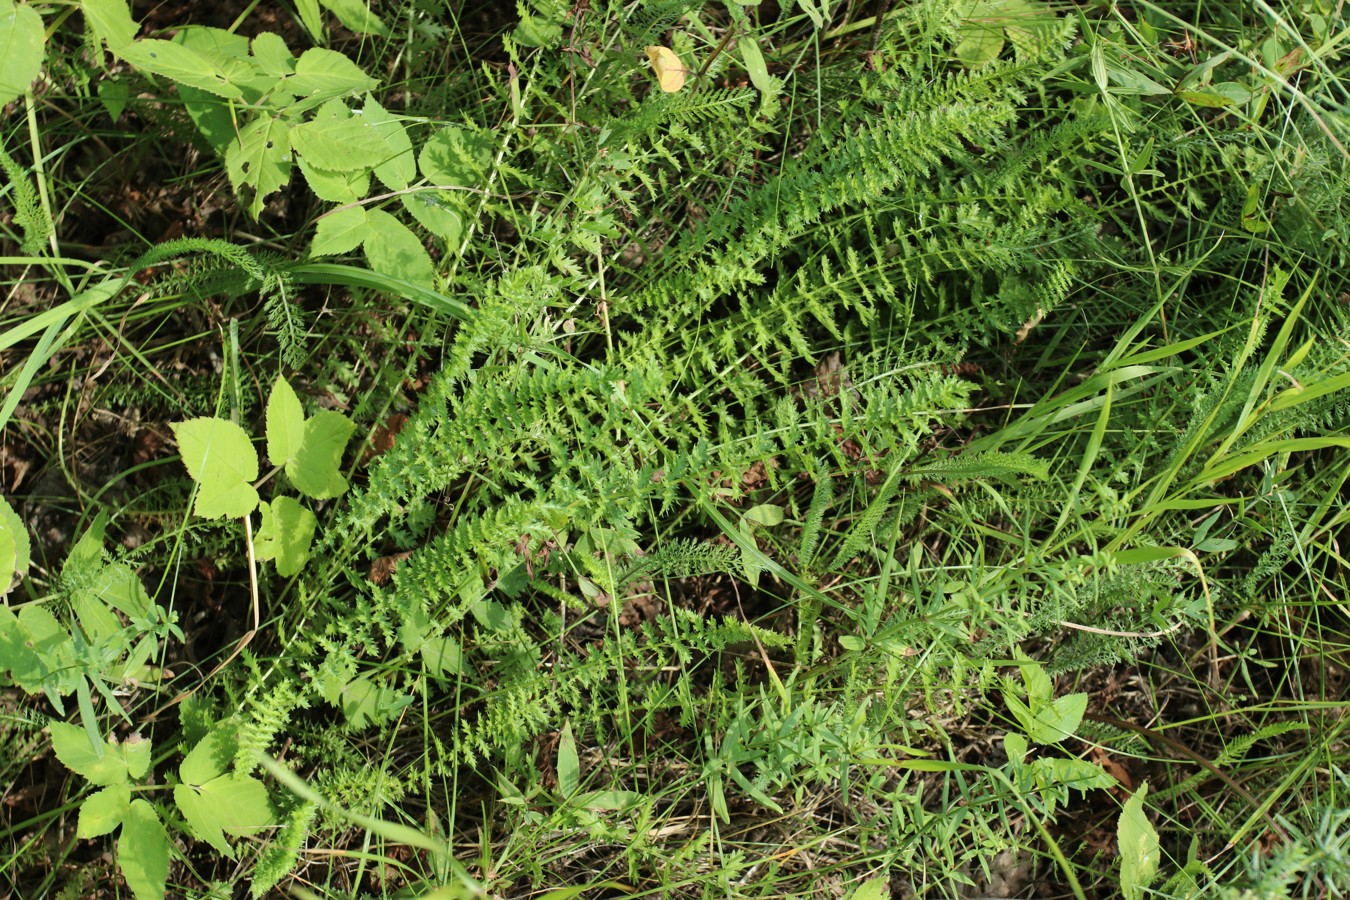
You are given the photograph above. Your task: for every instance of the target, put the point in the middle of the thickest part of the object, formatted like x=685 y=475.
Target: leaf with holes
x=259 y=160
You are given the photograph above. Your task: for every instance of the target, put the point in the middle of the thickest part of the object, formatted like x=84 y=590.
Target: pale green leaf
x=286 y=535
x=340 y=144
x=569 y=763
x=356 y=15
x=113 y=95
x=111 y=21
x=456 y=156
x=71 y=744
x=1059 y=720
x=210 y=758
x=435 y=212
x=37 y=650
x=335 y=187
x=341 y=231
x=310 y=18
x=366 y=703
x=272 y=54
x=398 y=171
x=285 y=423
x=15 y=548
x=765 y=514
x=315 y=469
x=102 y=811
x=323 y=74
x=259 y=160
x=754 y=64
x=228 y=804
x=143 y=852
x=980 y=44
x=392 y=249
x=1138 y=846
x=222 y=461
x=181 y=64
x=874 y=889
x=21 y=40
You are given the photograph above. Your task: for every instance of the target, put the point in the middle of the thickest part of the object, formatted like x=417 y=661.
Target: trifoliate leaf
x=143 y=852
x=221 y=459
x=286 y=535
x=103 y=811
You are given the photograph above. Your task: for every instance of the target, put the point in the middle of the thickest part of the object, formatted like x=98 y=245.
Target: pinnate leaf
x=21 y=39
x=143 y=851
x=272 y=54
x=103 y=811
x=286 y=534
x=222 y=461
x=335 y=187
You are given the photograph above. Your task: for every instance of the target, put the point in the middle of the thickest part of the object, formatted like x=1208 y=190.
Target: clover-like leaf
x=143 y=851
x=286 y=534
x=221 y=459
x=103 y=811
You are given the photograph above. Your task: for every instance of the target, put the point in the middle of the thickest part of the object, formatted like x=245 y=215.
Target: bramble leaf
x=103 y=811
x=286 y=534
x=143 y=851
x=21 y=40
x=335 y=187
x=221 y=459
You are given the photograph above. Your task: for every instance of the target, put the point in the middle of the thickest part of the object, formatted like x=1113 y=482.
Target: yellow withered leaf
x=669 y=69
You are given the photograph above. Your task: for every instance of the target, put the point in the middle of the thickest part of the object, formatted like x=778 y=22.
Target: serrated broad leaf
x=286 y=535
x=210 y=758
x=434 y=211
x=356 y=15
x=143 y=852
x=285 y=423
x=15 y=547
x=392 y=249
x=1059 y=720
x=339 y=232
x=102 y=811
x=272 y=54
x=1138 y=845
x=315 y=470
x=335 y=187
x=340 y=144
x=323 y=74
x=181 y=64
x=111 y=21
x=259 y=160
x=230 y=804
x=455 y=156
x=398 y=171
x=37 y=651
x=72 y=747
x=21 y=41
x=221 y=459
